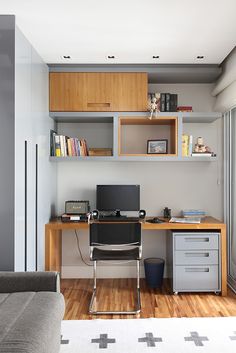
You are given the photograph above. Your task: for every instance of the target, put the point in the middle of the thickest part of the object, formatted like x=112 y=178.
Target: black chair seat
x=131 y=254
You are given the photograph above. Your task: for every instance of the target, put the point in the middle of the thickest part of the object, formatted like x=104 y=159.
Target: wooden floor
x=118 y=294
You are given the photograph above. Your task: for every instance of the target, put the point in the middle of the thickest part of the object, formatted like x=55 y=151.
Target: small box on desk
x=73 y=218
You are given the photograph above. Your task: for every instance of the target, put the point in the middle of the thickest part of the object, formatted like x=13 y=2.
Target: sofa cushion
x=30 y=322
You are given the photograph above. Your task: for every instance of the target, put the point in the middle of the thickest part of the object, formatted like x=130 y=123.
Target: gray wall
x=177 y=185
x=7 y=59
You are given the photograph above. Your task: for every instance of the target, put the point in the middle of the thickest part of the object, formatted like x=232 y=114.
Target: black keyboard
x=119 y=219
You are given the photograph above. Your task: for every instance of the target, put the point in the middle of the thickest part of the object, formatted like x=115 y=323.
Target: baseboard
x=102 y=272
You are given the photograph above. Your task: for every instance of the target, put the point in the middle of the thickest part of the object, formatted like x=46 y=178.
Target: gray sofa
x=31 y=310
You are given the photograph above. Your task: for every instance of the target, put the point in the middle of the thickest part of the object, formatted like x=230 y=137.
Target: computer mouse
x=156 y=220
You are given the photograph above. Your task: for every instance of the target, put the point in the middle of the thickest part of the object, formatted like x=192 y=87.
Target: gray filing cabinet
x=196 y=262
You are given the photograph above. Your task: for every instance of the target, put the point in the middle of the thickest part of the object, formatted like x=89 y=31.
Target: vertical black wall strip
x=26 y=168
x=36 y=207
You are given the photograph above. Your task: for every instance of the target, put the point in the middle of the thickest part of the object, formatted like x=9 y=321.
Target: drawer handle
x=197 y=240
x=91 y=105
x=192 y=269
x=197 y=254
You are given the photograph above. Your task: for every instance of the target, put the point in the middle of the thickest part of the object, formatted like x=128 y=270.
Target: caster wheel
x=217 y=293
x=176 y=293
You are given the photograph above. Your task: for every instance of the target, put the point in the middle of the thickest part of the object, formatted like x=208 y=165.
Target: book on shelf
x=163 y=102
x=192 y=220
x=185 y=108
x=64 y=146
x=187 y=145
x=168 y=102
x=203 y=154
x=57 y=151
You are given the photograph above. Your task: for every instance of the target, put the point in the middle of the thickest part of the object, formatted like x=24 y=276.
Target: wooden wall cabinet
x=83 y=91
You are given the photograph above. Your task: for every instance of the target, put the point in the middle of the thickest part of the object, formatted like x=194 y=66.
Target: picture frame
x=159 y=146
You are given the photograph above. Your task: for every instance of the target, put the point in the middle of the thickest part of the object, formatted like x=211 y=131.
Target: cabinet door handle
x=98 y=105
x=196 y=269
x=197 y=254
x=197 y=240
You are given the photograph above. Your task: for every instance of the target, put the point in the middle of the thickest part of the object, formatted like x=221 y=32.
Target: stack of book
x=64 y=146
x=193 y=213
x=187 y=145
x=168 y=102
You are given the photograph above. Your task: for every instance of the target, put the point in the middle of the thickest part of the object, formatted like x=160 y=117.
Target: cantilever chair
x=123 y=241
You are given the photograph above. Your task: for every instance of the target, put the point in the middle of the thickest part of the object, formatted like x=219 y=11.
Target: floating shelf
x=188 y=117
x=145 y=158
x=130 y=132
x=197 y=117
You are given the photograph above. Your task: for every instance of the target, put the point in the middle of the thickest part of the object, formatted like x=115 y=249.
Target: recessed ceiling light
x=200 y=57
x=67 y=57
x=155 y=56
x=110 y=56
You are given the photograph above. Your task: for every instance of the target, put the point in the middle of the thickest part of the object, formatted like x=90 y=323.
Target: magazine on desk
x=192 y=220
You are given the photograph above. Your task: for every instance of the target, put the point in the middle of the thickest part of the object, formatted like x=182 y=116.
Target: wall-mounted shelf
x=198 y=117
x=127 y=133
x=132 y=159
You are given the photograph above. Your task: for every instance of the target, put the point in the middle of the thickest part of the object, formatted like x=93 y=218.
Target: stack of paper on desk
x=185 y=220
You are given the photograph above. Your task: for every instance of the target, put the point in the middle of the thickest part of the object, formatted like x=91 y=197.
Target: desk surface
x=206 y=223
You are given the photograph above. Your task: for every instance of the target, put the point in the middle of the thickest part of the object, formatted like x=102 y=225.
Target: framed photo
x=157 y=146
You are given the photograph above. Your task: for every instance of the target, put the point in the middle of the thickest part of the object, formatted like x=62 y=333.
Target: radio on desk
x=76 y=211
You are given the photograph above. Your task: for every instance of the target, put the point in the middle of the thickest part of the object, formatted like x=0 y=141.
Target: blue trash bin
x=154 y=270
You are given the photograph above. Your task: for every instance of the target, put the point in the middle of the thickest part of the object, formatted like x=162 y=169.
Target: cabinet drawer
x=197 y=257
x=196 y=278
x=192 y=241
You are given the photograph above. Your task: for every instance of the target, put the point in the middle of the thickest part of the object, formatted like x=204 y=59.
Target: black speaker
x=95 y=214
x=142 y=214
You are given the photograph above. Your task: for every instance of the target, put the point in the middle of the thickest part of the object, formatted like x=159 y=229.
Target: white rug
x=185 y=335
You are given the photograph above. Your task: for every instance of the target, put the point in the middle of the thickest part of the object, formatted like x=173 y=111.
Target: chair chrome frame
x=137 y=308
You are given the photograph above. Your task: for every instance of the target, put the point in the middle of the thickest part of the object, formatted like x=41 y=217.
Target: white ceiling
x=132 y=30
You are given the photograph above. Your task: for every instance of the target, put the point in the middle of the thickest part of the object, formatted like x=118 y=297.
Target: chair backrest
x=115 y=233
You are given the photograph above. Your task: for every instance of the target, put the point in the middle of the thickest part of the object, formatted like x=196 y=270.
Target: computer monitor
x=118 y=198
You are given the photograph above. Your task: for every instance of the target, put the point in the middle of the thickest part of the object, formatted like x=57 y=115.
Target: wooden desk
x=53 y=234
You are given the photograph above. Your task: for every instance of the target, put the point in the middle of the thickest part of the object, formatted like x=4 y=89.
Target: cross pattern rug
x=175 y=335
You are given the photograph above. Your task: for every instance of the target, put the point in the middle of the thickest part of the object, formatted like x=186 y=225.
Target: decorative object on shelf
x=200 y=147
x=154 y=104
x=100 y=151
x=157 y=146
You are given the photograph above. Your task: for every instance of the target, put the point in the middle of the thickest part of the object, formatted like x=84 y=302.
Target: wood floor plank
x=119 y=294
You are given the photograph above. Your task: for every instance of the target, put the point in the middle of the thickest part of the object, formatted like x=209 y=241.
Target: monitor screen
x=118 y=197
